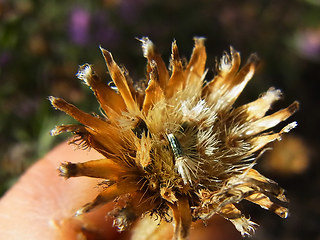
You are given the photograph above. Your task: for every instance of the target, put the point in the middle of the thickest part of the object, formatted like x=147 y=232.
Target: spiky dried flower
x=178 y=148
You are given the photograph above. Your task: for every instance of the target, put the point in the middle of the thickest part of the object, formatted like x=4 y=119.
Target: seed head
x=179 y=149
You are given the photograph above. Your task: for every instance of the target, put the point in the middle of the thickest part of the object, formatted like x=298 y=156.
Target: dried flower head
x=178 y=148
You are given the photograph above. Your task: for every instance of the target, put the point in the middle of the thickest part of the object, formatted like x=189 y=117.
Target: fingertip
x=41 y=204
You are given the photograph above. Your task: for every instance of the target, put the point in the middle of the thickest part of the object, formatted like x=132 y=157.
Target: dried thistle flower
x=178 y=148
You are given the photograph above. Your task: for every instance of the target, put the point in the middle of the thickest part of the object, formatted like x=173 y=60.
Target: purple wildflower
x=79 y=26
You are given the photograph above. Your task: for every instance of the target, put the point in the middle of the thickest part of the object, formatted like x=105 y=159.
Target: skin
x=41 y=205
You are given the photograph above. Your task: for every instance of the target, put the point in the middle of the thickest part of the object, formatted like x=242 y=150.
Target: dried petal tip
x=289 y=127
x=52 y=100
x=85 y=72
x=244 y=226
x=107 y=55
x=54 y=131
x=199 y=40
x=68 y=170
x=57 y=103
x=293 y=107
x=86 y=208
x=147 y=46
x=254 y=58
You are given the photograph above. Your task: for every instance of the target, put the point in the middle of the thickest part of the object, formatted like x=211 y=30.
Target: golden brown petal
x=98 y=134
x=83 y=140
x=167 y=194
x=182 y=218
x=198 y=58
x=265 y=202
x=131 y=207
x=233 y=83
x=195 y=70
x=259 y=107
x=119 y=79
x=154 y=92
x=237 y=84
x=273 y=119
x=155 y=60
x=250 y=185
x=243 y=225
x=68 y=128
x=177 y=79
x=109 y=100
x=102 y=168
x=229 y=211
x=262 y=140
x=185 y=215
x=143 y=146
x=265 y=184
x=80 y=116
x=142 y=202
x=228 y=67
x=106 y=141
x=110 y=193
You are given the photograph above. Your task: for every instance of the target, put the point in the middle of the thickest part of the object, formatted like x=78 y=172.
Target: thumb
x=41 y=204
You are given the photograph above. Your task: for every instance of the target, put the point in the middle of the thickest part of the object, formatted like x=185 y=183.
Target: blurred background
x=42 y=43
